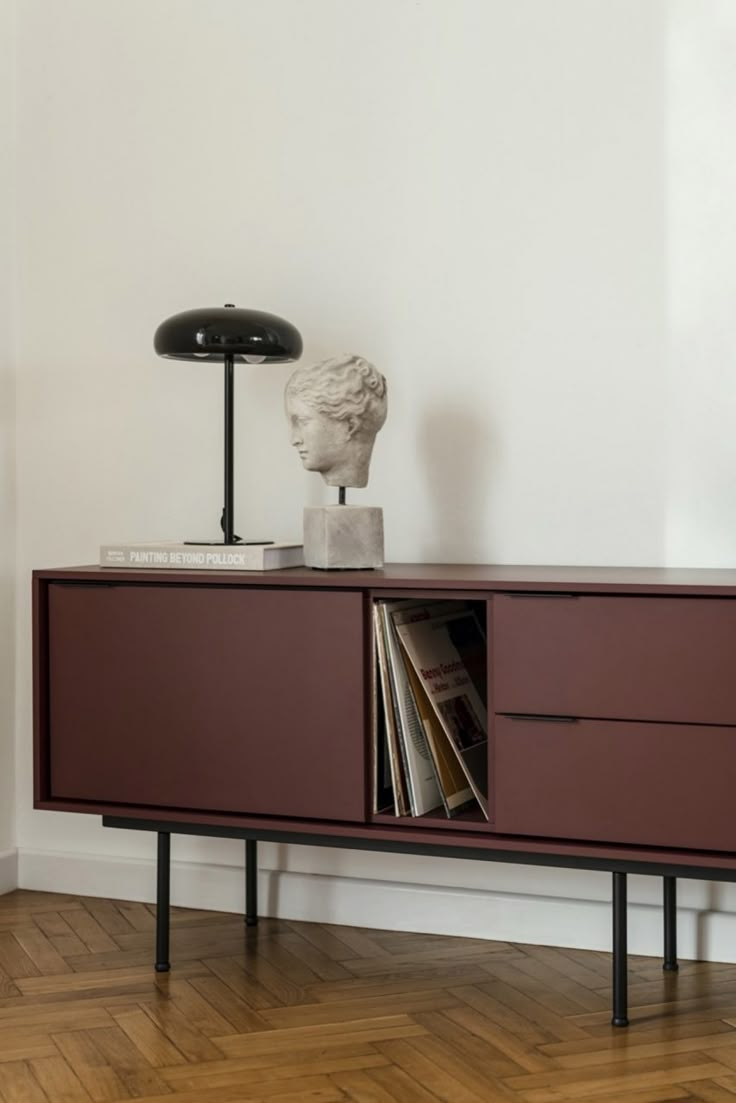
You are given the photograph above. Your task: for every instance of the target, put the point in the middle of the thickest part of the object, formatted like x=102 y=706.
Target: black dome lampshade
x=225 y=334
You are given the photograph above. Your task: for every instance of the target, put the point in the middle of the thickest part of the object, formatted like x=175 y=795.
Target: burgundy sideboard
x=240 y=705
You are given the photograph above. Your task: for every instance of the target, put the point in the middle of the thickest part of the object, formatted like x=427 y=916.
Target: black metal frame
x=163 y=897
x=251 y=882
x=670 y=924
x=618 y=868
x=620 y=950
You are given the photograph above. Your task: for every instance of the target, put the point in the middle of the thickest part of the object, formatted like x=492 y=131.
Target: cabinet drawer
x=220 y=699
x=660 y=784
x=628 y=658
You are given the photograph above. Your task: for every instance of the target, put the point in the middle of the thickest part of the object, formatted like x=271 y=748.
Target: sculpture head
x=335 y=408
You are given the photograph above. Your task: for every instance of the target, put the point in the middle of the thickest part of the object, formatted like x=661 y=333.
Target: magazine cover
x=454 y=788
x=449 y=654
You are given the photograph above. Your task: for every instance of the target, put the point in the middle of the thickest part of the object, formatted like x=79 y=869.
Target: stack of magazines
x=431 y=744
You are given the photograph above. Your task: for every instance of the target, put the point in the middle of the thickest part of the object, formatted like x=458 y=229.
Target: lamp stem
x=228 y=519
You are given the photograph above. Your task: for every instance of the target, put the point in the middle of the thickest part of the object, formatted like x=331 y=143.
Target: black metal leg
x=162 y=902
x=670 y=924
x=620 y=979
x=251 y=882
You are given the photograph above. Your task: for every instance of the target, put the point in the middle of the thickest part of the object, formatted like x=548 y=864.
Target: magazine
x=383 y=790
x=449 y=654
x=401 y=807
x=454 y=789
x=423 y=788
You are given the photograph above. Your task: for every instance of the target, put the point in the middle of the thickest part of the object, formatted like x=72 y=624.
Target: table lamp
x=224 y=334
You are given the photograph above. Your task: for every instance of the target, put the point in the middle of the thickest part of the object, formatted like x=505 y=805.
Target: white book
x=400 y=795
x=203 y=557
x=424 y=793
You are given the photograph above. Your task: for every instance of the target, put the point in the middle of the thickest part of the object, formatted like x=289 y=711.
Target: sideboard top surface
x=452 y=576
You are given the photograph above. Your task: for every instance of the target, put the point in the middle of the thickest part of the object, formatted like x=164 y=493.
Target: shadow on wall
x=7 y=457
x=717 y=903
x=455 y=453
x=7 y=604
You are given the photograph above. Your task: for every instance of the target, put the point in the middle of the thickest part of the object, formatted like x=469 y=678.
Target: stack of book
x=431 y=736
x=203 y=557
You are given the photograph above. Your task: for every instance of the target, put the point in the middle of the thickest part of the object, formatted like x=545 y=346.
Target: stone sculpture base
x=343 y=537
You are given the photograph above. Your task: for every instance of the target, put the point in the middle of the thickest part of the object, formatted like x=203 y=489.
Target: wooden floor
x=298 y=1011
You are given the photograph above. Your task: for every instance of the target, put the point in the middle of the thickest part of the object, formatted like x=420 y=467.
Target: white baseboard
x=8 y=871
x=703 y=934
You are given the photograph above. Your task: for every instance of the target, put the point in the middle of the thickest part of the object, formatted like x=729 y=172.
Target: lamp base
x=225 y=544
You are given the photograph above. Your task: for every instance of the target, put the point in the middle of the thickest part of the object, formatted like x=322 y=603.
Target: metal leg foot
x=620 y=978
x=670 y=925
x=162 y=902
x=251 y=882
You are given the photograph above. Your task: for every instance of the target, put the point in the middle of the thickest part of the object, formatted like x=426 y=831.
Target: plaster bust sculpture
x=335 y=408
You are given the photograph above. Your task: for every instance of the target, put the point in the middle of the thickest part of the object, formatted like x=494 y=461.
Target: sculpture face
x=319 y=439
x=335 y=410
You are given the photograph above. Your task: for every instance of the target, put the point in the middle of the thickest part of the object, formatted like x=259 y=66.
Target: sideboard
x=242 y=705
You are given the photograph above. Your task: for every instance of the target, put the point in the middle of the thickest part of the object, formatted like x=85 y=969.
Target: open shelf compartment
x=430 y=716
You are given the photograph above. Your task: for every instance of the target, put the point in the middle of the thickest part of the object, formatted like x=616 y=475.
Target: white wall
x=496 y=201
x=7 y=441
x=701 y=216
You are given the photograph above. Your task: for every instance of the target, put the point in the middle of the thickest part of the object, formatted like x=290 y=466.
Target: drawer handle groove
x=542 y=719
x=543 y=593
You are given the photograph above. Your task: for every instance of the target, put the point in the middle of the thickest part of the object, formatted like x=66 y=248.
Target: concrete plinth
x=343 y=537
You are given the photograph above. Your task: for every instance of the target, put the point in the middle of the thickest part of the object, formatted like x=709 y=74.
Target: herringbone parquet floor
x=290 y=1012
